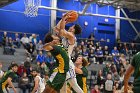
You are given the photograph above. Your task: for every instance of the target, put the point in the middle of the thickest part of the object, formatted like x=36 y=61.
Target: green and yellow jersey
x=4 y=82
x=61 y=57
x=136 y=64
x=82 y=79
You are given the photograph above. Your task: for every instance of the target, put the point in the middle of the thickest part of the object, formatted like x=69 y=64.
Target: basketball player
x=81 y=72
x=39 y=84
x=58 y=77
x=69 y=41
x=134 y=67
x=7 y=79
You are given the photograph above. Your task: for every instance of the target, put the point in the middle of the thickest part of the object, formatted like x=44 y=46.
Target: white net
x=31 y=7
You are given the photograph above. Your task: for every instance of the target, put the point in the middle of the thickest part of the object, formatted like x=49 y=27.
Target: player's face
x=55 y=39
x=34 y=73
x=71 y=29
x=79 y=60
x=15 y=68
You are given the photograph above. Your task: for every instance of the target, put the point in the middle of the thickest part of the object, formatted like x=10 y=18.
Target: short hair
x=48 y=38
x=36 y=69
x=13 y=65
x=77 y=28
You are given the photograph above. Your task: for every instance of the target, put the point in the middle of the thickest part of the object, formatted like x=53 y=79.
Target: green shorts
x=57 y=80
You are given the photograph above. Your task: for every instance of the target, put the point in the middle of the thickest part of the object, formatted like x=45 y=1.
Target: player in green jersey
x=81 y=72
x=134 y=67
x=58 y=77
x=7 y=79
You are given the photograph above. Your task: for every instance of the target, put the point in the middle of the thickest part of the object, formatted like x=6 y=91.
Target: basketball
x=73 y=16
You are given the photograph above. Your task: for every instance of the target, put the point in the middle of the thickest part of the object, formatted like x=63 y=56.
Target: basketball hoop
x=31 y=7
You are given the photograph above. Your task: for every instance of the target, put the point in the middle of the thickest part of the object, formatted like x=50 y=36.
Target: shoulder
x=138 y=53
x=36 y=78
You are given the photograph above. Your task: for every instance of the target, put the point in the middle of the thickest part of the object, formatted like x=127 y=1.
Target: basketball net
x=31 y=7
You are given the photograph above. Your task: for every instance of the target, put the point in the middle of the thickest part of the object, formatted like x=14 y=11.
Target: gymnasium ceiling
x=132 y=5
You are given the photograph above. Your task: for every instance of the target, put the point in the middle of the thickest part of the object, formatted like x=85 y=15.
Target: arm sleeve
x=133 y=61
x=56 y=50
x=12 y=75
x=85 y=72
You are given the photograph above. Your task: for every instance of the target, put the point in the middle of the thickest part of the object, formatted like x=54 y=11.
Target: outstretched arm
x=36 y=85
x=9 y=80
x=128 y=73
x=57 y=27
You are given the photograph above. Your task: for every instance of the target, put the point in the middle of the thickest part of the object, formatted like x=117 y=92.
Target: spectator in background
x=40 y=58
x=24 y=83
x=82 y=45
x=50 y=61
x=106 y=69
x=30 y=49
x=115 y=54
x=116 y=77
x=109 y=84
x=99 y=55
x=113 y=68
x=1 y=72
x=34 y=39
x=11 y=46
x=80 y=48
x=100 y=78
x=92 y=47
x=120 y=48
x=25 y=40
x=43 y=69
x=132 y=49
x=27 y=65
x=85 y=53
x=39 y=46
x=106 y=53
x=125 y=48
x=17 y=40
x=4 y=38
x=75 y=53
x=21 y=69
x=123 y=60
x=91 y=56
x=30 y=37
x=96 y=89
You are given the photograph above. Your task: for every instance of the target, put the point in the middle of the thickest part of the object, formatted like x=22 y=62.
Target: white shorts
x=71 y=72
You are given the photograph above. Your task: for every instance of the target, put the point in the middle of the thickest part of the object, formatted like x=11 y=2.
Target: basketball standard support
x=85 y=8
x=131 y=23
x=91 y=14
x=117 y=24
x=53 y=14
